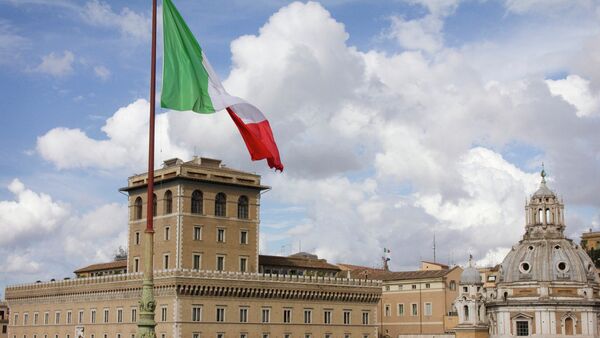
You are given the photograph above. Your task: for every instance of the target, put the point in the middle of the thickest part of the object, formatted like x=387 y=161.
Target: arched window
x=243 y=207
x=137 y=209
x=466 y=308
x=568 y=326
x=168 y=202
x=220 y=205
x=154 y=205
x=548 y=217
x=197 y=202
x=540 y=216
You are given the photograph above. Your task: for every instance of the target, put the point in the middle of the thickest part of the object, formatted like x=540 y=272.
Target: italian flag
x=190 y=83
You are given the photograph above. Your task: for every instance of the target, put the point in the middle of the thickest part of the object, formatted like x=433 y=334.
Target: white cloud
x=30 y=215
x=576 y=91
x=418 y=34
x=57 y=65
x=43 y=238
x=102 y=72
x=381 y=148
x=129 y=23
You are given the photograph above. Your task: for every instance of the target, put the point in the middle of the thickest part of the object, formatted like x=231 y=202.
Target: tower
x=206 y=217
x=470 y=305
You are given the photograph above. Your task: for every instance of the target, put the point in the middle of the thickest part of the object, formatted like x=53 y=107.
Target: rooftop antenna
x=434 y=246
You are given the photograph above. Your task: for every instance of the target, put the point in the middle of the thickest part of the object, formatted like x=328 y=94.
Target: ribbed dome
x=548 y=260
x=470 y=275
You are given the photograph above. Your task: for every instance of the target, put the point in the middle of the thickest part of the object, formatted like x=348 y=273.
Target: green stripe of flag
x=185 y=80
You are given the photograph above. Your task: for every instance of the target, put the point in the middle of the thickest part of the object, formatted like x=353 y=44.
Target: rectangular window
x=428 y=309
x=93 y=316
x=16 y=319
x=347 y=317
x=136 y=265
x=414 y=287
x=36 y=317
x=220 y=335
x=287 y=335
x=243 y=264
x=197 y=233
x=388 y=310
x=522 y=328
x=220 y=314
x=327 y=317
x=243 y=315
x=167 y=233
x=197 y=261
x=427 y=285
x=265 y=335
x=106 y=315
x=307 y=316
x=196 y=313
x=25 y=318
x=4 y=330
x=69 y=317
x=414 y=309
x=163 y=313
x=119 y=315
x=220 y=263
x=400 y=309
x=221 y=235
x=166 y=261
x=243 y=237
x=133 y=315
x=46 y=318
x=365 y=318
x=327 y=335
x=287 y=315
x=195 y=335
x=266 y=315
x=57 y=318
x=137 y=238
x=80 y=317
x=243 y=335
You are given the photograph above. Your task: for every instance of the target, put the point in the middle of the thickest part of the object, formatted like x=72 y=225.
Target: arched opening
x=540 y=216
x=243 y=207
x=168 y=202
x=137 y=209
x=548 y=216
x=466 y=311
x=220 y=205
x=569 y=327
x=154 y=205
x=197 y=199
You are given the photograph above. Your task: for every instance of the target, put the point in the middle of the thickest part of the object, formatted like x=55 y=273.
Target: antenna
x=434 y=246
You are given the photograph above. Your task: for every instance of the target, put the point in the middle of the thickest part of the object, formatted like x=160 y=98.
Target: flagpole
x=146 y=322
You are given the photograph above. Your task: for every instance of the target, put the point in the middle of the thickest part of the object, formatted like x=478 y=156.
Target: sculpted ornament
x=147 y=305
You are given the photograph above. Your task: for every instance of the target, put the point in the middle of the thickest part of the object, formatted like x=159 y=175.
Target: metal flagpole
x=147 y=304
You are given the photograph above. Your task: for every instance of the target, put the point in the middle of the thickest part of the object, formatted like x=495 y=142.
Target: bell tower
x=545 y=217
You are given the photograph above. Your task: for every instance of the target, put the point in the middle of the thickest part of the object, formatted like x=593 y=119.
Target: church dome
x=470 y=275
x=548 y=260
x=545 y=254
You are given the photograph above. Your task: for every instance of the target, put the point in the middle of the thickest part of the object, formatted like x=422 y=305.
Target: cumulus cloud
x=576 y=91
x=381 y=148
x=43 y=238
x=29 y=215
x=57 y=65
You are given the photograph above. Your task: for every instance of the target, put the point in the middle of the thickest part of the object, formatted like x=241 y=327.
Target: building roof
x=362 y=272
x=296 y=262
x=120 y=264
x=443 y=266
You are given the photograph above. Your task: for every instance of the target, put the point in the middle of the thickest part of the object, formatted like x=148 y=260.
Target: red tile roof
x=122 y=264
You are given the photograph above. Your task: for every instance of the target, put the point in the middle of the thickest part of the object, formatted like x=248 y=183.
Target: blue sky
x=393 y=118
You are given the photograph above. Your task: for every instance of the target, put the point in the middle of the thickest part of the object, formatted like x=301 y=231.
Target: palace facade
x=207 y=279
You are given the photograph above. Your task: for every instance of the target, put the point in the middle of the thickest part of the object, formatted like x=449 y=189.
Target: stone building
x=4 y=315
x=415 y=303
x=547 y=285
x=207 y=283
